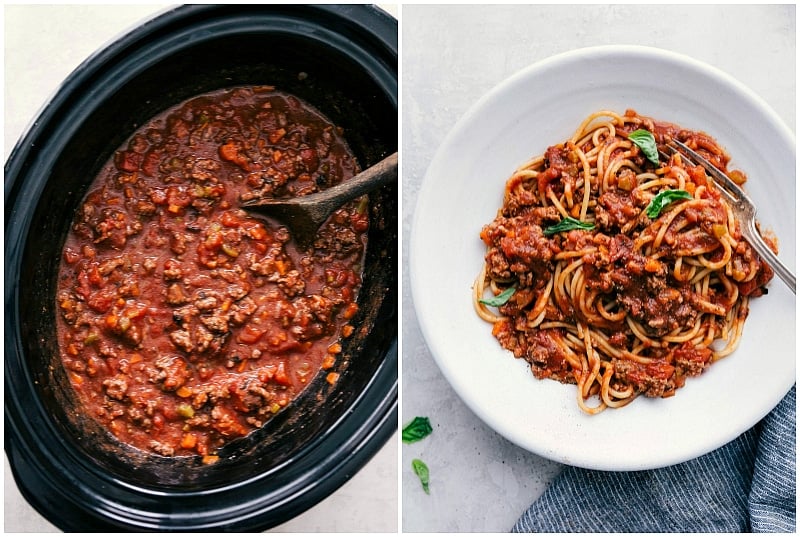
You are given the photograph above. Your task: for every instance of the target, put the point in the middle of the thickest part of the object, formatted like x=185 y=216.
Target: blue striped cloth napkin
x=747 y=485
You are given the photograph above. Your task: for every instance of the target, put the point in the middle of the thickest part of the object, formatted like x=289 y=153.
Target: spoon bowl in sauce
x=304 y=215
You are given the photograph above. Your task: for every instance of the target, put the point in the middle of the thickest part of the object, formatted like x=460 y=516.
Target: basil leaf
x=664 y=198
x=567 y=224
x=500 y=299
x=647 y=143
x=415 y=431
x=421 y=469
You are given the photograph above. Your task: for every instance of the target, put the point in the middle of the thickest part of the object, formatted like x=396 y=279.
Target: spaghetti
x=616 y=269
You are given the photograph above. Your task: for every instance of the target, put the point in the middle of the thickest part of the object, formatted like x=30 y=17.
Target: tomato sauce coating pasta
x=593 y=286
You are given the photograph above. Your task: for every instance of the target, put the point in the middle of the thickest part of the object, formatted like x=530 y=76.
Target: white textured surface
x=43 y=45
x=453 y=55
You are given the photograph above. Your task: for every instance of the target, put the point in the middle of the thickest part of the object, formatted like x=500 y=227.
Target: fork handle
x=766 y=253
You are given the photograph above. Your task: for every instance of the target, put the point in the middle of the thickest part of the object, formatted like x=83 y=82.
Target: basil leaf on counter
x=664 y=198
x=418 y=429
x=568 y=224
x=500 y=299
x=647 y=143
x=421 y=469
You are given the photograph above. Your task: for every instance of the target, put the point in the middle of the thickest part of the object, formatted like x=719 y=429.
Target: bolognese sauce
x=184 y=322
x=616 y=265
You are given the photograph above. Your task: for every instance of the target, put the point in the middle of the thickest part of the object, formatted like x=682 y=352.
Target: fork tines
x=727 y=184
x=742 y=206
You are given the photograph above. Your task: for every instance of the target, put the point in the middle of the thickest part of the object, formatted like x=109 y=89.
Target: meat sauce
x=185 y=323
x=644 y=287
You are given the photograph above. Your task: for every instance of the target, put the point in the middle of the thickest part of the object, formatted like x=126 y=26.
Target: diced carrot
x=276 y=135
x=328 y=361
x=652 y=265
x=257 y=232
x=229 y=151
x=350 y=310
x=188 y=441
x=112 y=321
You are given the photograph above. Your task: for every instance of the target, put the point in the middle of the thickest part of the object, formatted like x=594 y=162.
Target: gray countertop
x=453 y=55
x=43 y=44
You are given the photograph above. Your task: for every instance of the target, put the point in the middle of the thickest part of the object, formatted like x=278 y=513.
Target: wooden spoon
x=304 y=215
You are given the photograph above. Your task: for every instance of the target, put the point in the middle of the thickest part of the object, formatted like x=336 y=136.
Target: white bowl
x=462 y=190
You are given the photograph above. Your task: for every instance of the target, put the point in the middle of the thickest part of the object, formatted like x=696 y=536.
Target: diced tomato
x=251 y=334
x=229 y=219
x=178 y=197
x=281 y=376
x=150 y=163
x=101 y=301
x=335 y=277
x=230 y=151
x=360 y=222
x=71 y=256
x=127 y=161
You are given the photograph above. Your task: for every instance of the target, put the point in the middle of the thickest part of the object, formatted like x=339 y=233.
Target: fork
x=742 y=207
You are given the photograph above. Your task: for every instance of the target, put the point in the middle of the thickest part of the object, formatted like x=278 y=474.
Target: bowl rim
x=316 y=472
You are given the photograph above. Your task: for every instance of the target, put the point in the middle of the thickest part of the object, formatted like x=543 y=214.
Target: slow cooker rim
x=14 y=168
x=142 y=37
